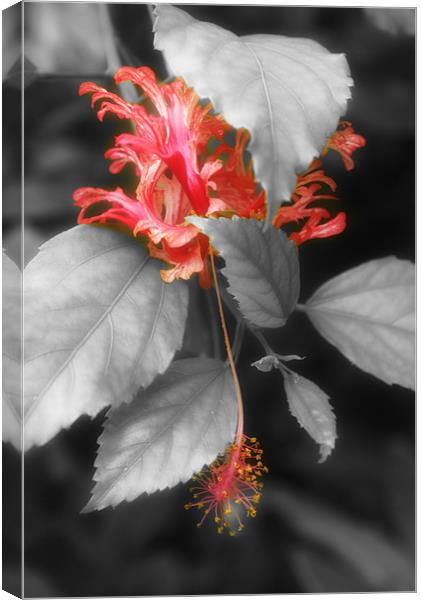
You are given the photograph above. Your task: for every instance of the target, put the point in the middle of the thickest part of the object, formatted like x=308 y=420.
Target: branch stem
x=258 y=335
x=238 y=339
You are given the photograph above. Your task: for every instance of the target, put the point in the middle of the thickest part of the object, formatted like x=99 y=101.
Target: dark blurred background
x=344 y=526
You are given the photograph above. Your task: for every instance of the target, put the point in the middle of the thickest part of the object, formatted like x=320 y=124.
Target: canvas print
x=208 y=299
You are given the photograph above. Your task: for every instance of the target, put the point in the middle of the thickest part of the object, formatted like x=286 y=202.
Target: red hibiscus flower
x=185 y=166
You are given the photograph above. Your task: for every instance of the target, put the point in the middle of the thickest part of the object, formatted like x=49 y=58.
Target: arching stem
x=240 y=415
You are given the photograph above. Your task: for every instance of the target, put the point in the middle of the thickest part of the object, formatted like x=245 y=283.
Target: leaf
x=272 y=361
x=368 y=313
x=11 y=30
x=309 y=404
x=169 y=432
x=66 y=38
x=379 y=564
x=288 y=92
x=99 y=323
x=266 y=363
x=392 y=20
x=262 y=267
x=12 y=352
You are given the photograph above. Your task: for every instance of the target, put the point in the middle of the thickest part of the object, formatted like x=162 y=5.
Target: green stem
x=238 y=339
x=260 y=337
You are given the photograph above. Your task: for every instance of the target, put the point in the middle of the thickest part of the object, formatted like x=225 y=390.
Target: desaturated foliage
x=169 y=432
x=195 y=259
x=261 y=267
x=65 y=37
x=99 y=324
x=368 y=313
x=257 y=82
x=11 y=351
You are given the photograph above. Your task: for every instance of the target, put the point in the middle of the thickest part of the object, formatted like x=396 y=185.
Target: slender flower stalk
x=240 y=411
x=230 y=487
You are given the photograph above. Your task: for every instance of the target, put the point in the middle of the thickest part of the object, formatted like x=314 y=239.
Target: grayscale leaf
x=99 y=324
x=66 y=38
x=288 y=92
x=373 y=560
x=395 y=21
x=182 y=422
x=368 y=313
x=12 y=352
x=262 y=267
x=309 y=404
x=274 y=361
x=266 y=363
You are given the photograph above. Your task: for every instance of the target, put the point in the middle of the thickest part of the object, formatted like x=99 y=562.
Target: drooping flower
x=316 y=221
x=185 y=166
x=230 y=488
x=167 y=151
x=345 y=141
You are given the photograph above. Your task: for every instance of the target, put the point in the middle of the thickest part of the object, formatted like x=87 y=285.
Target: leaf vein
x=87 y=336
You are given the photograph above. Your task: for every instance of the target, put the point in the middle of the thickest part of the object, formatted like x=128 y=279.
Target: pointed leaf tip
x=309 y=404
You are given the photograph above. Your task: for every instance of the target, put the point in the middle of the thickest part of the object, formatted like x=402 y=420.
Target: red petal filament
x=181 y=174
x=230 y=489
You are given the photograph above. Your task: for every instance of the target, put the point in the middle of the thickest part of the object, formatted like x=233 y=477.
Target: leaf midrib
x=85 y=338
x=316 y=301
x=363 y=319
x=128 y=468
